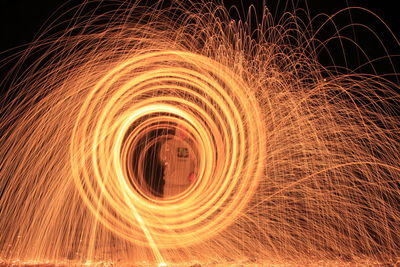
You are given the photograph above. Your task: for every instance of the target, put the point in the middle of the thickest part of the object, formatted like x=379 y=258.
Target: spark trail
x=296 y=161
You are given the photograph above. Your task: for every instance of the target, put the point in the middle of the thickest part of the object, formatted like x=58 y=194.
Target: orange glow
x=293 y=161
x=208 y=207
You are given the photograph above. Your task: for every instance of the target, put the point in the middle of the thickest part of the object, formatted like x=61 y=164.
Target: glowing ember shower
x=173 y=134
x=216 y=107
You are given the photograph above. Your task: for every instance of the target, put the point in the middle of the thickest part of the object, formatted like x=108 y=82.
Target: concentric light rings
x=204 y=97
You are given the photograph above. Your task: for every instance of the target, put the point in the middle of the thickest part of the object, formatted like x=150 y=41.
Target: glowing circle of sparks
x=187 y=89
x=296 y=162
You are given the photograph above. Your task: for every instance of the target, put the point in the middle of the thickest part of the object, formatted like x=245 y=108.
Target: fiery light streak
x=294 y=160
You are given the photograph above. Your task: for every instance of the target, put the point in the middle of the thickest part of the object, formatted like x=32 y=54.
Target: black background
x=21 y=21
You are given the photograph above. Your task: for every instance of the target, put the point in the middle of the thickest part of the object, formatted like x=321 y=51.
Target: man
x=179 y=160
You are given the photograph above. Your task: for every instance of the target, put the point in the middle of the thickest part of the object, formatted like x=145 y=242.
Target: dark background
x=21 y=21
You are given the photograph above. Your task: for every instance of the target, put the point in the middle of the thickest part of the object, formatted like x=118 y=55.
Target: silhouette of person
x=179 y=159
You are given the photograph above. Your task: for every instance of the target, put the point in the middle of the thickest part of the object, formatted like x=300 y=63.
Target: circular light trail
x=295 y=161
x=217 y=109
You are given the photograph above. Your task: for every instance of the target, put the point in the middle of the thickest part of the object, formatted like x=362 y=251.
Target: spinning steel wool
x=294 y=162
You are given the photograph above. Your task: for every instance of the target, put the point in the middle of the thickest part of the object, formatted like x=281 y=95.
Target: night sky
x=21 y=20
